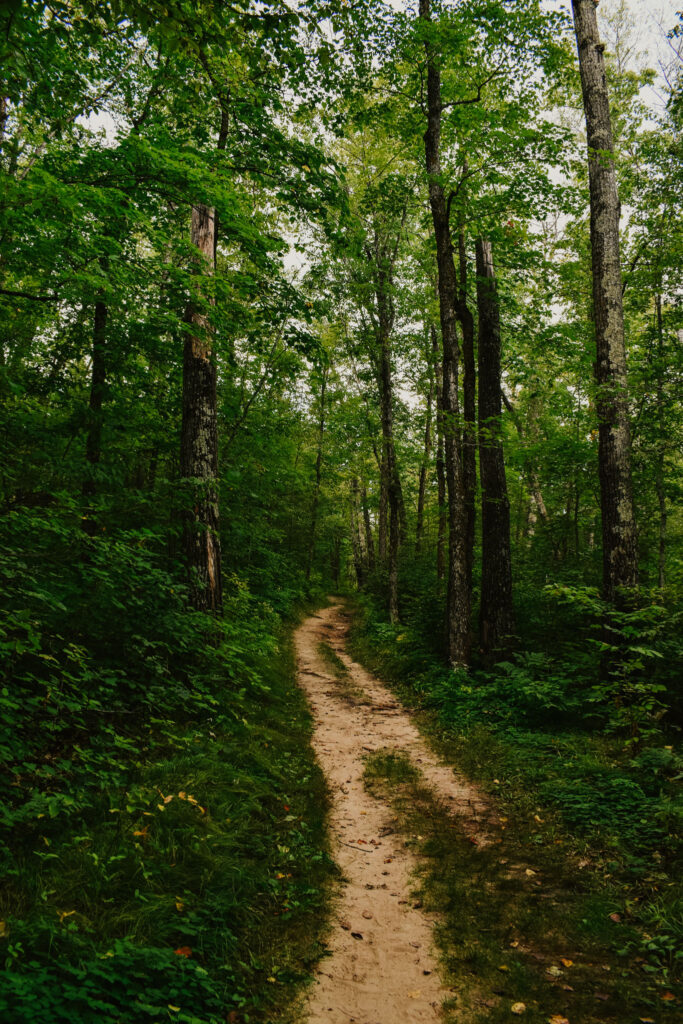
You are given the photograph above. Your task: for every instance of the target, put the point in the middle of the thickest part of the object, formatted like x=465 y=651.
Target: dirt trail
x=382 y=968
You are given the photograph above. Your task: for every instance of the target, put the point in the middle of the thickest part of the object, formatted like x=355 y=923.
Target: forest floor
x=445 y=911
x=381 y=967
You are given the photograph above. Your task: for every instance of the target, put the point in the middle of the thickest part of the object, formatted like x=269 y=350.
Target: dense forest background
x=228 y=389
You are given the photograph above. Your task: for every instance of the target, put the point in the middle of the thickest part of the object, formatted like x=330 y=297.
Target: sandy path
x=382 y=968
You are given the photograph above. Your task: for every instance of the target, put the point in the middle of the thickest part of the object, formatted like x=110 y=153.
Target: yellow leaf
x=668 y=997
x=180 y=906
x=518 y=1009
x=176 y=1009
x=182 y=795
x=529 y=872
x=557 y=1019
x=271 y=979
x=4 y=930
x=65 y=913
x=161 y=807
x=567 y=963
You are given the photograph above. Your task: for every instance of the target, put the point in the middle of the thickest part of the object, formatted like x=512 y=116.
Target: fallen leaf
x=554 y=971
x=567 y=963
x=646 y=1020
x=180 y=906
x=518 y=1009
x=668 y=997
x=271 y=979
x=514 y=943
x=601 y=995
x=65 y=913
x=529 y=873
x=616 y=918
x=142 y=832
x=4 y=930
x=503 y=967
x=183 y=951
x=557 y=1019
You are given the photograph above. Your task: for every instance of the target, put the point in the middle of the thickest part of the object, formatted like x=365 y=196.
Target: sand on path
x=382 y=967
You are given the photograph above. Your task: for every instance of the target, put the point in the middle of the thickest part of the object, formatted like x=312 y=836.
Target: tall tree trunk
x=458 y=606
x=369 y=541
x=496 y=621
x=424 y=468
x=469 y=388
x=620 y=555
x=440 y=462
x=659 y=480
x=199 y=435
x=98 y=384
x=356 y=535
x=383 y=512
x=318 y=474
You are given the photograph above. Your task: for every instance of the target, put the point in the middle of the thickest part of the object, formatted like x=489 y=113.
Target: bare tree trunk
x=440 y=463
x=497 y=622
x=318 y=474
x=620 y=555
x=383 y=524
x=458 y=608
x=469 y=388
x=369 y=541
x=659 y=481
x=424 y=469
x=98 y=384
x=199 y=435
x=356 y=535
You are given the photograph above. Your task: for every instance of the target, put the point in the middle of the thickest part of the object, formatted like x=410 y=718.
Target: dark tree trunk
x=369 y=542
x=459 y=596
x=98 y=385
x=356 y=535
x=469 y=388
x=424 y=468
x=659 y=479
x=496 y=621
x=620 y=556
x=199 y=435
x=440 y=462
x=318 y=475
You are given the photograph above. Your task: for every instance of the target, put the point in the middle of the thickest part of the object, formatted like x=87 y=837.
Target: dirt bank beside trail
x=382 y=968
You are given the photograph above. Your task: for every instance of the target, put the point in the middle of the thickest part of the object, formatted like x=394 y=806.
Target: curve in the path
x=382 y=968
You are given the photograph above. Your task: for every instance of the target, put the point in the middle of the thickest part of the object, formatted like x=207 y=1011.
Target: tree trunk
x=440 y=463
x=369 y=542
x=459 y=595
x=469 y=387
x=659 y=481
x=620 y=556
x=424 y=469
x=356 y=535
x=199 y=436
x=496 y=622
x=98 y=384
x=318 y=473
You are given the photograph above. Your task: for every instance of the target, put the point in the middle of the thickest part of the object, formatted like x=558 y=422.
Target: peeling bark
x=199 y=436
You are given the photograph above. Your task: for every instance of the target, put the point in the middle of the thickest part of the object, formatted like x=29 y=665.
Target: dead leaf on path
x=558 y=1019
x=601 y=995
x=518 y=1009
x=668 y=997
x=514 y=944
x=567 y=963
x=529 y=872
x=646 y=1020
x=554 y=971
x=616 y=918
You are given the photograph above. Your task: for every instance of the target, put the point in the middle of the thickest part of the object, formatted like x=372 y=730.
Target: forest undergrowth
x=585 y=775
x=162 y=835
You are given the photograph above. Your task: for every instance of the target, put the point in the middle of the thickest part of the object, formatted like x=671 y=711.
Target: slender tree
x=496 y=622
x=620 y=556
x=459 y=595
x=199 y=431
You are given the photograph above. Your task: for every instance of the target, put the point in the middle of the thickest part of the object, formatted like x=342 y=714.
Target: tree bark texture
x=440 y=460
x=199 y=436
x=458 y=607
x=318 y=475
x=496 y=621
x=98 y=385
x=469 y=392
x=620 y=556
x=424 y=467
x=369 y=541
